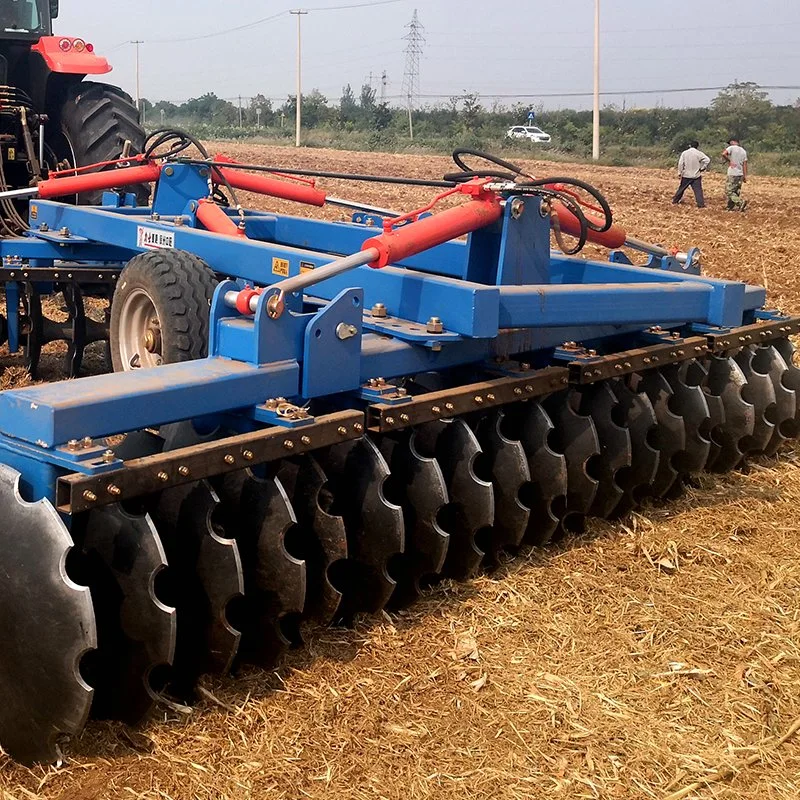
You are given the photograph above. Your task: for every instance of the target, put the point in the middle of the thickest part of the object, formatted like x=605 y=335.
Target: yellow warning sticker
x=306 y=266
x=280 y=266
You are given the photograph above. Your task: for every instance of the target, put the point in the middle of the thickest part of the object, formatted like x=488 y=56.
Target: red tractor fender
x=70 y=56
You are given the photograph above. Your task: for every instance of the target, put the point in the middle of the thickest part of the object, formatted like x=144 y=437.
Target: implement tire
x=160 y=310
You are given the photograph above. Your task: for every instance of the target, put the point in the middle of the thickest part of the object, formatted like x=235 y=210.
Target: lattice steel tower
x=415 y=39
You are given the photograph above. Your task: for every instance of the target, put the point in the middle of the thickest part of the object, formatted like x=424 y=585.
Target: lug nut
x=435 y=325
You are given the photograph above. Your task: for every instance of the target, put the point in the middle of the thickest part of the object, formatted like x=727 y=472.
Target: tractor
x=53 y=118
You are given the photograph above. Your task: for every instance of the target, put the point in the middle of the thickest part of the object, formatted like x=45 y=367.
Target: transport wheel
x=160 y=310
x=96 y=121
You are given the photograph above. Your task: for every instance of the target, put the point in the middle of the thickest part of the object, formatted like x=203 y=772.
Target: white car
x=529 y=132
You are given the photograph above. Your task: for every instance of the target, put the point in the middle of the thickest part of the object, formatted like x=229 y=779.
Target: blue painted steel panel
x=52 y=414
x=599 y=304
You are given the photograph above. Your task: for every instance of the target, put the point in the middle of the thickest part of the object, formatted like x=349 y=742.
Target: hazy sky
x=511 y=47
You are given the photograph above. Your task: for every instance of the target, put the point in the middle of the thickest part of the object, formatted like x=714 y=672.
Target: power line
x=272 y=17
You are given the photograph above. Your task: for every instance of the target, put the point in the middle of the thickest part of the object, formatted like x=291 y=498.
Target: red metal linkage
x=215 y=220
x=261 y=184
x=396 y=244
x=97 y=181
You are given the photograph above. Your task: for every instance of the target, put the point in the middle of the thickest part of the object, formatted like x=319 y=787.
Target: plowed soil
x=658 y=657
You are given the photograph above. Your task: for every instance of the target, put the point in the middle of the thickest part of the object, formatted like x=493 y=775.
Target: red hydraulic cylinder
x=97 y=181
x=271 y=187
x=613 y=238
x=214 y=219
x=398 y=244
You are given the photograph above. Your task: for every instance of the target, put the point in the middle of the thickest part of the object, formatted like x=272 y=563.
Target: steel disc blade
x=375 y=532
x=324 y=532
x=670 y=434
x=471 y=510
x=46 y=625
x=205 y=576
x=761 y=393
x=716 y=416
x=768 y=361
x=259 y=516
x=791 y=381
x=419 y=488
x=726 y=380
x=548 y=470
x=641 y=422
x=601 y=404
x=689 y=403
x=507 y=466
x=136 y=631
x=578 y=441
x=139 y=444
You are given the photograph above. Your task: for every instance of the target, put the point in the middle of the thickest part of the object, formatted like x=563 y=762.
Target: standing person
x=736 y=156
x=691 y=166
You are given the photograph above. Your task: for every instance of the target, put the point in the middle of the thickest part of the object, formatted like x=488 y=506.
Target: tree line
x=359 y=119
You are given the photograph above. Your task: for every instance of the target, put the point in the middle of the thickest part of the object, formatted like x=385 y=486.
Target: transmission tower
x=415 y=39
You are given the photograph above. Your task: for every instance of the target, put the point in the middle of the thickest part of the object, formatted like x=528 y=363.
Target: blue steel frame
x=500 y=292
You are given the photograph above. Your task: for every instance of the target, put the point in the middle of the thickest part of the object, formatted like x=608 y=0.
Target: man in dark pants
x=691 y=166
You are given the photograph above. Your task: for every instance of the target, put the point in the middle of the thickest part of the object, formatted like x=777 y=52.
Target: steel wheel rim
x=138 y=318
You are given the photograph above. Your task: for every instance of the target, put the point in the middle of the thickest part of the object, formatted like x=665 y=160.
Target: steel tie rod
x=275 y=304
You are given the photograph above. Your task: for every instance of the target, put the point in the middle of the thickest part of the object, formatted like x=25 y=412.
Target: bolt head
x=229 y=459
x=435 y=325
x=163 y=477
x=379 y=311
x=183 y=472
x=306 y=440
x=247 y=455
x=89 y=497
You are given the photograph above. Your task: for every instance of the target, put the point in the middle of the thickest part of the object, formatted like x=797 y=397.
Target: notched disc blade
x=578 y=441
x=507 y=465
x=670 y=434
x=761 y=393
x=726 y=381
x=375 y=532
x=600 y=403
x=46 y=625
x=471 y=509
x=323 y=532
x=790 y=381
x=205 y=576
x=689 y=403
x=259 y=516
x=419 y=488
x=136 y=631
x=641 y=422
x=548 y=470
x=769 y=361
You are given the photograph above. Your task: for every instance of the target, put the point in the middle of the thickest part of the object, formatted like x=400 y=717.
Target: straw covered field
x=654 y=658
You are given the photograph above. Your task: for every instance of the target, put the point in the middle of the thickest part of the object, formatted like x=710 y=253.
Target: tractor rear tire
x=96 y=121
x=160 y=310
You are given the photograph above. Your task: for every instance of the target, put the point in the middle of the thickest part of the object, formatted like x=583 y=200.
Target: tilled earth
x=630 y=663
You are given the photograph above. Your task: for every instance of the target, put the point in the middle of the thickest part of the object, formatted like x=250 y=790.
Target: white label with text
x=155 y=239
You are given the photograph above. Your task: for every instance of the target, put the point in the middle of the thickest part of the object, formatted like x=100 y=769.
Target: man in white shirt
x=736 y=156
x=691 y=166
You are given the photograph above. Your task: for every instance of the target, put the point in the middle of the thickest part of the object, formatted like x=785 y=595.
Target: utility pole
x=137 y=42
x=241 y=121
x=299 y=13
x=596 y=114
x=384 y=84
x=415 y=40
x=258 y=117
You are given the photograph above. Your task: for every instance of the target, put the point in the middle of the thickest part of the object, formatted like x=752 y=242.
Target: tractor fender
x=69 y=61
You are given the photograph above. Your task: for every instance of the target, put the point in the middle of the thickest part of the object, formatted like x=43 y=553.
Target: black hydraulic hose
x=467 y=173
x=308 y=173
